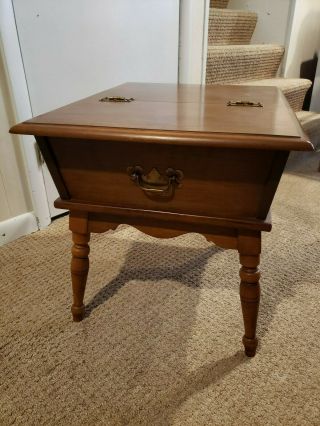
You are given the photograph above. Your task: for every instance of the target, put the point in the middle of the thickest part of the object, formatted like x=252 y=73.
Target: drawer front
x=211 y=181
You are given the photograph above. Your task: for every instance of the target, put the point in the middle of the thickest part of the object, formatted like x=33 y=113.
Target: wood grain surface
x=178 y=113
x=216 y=182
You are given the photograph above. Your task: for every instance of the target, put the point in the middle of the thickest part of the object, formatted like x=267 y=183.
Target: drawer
x=210 y=181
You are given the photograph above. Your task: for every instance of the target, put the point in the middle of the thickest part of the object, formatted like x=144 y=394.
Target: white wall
x=14 y=191
x=304 y=37
x=16 y=210
x=73 y=49
x=273 y=17
x=274 y=20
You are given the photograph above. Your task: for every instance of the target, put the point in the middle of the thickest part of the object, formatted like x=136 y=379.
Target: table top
x=184 y=114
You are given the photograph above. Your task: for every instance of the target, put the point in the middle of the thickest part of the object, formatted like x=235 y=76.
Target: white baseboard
x=17 y=227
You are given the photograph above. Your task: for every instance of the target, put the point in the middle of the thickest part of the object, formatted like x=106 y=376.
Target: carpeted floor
x=161 y=344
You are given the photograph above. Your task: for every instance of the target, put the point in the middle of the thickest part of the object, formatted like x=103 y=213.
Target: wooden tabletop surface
x=185 y=113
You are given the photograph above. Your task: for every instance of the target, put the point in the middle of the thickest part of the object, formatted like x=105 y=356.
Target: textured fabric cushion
x=228 y=26
x=239 y=63
x=294 y=89
x=222 y=4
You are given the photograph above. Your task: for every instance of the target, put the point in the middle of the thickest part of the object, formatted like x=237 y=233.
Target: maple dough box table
x=174 y=159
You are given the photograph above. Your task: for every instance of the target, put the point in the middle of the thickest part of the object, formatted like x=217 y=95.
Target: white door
x=75 y=48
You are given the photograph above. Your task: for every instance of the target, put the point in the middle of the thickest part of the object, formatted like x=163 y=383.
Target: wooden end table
x=170 y=159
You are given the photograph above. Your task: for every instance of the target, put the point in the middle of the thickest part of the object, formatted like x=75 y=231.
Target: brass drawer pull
x=116 y=99
x=245 y=103
x=154 y=183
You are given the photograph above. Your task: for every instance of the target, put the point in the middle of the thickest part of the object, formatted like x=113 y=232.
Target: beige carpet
x=161 y=344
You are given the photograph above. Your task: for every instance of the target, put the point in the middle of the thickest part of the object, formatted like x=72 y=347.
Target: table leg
x=249 y=250
x=79 y=272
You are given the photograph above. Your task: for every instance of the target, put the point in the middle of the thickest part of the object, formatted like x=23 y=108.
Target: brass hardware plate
x=116 y=99
x=245 y=103
x=153 y=183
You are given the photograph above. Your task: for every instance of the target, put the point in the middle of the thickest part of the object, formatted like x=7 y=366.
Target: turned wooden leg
x=249 y=250
x=79 y=272
x=250 y=297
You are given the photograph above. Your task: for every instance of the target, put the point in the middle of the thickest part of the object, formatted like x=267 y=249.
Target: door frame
x=193 y=41
x=10 y=47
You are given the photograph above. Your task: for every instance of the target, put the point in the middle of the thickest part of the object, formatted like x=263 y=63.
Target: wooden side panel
x=271 y=185
x=223 y=237
x=53 y=166
x=217 y=182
